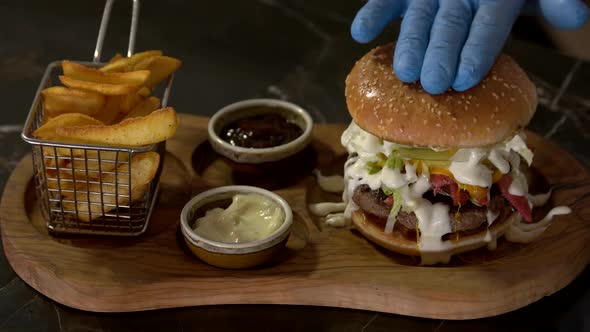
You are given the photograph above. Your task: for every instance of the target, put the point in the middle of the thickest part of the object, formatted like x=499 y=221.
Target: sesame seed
x=454 y=118
x=474 y=120
x=512 y=99
x=438 y=124
x=495 y=95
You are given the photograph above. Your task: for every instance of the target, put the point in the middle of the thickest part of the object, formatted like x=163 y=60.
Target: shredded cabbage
x=397 y=204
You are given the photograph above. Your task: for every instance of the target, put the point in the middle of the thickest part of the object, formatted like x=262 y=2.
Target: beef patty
x=470 y=216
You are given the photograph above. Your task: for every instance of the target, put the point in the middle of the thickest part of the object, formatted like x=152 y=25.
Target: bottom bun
x=399 y=243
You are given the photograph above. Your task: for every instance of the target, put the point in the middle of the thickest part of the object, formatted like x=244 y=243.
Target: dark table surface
x=294 y=50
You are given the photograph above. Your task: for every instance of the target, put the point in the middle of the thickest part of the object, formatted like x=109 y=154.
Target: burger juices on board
x=437 y=175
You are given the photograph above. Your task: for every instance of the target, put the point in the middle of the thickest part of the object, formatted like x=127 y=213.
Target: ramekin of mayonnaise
x=236 y=226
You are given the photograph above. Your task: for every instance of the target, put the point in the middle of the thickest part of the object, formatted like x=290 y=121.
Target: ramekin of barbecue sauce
x=258 y=131
x=261 y=131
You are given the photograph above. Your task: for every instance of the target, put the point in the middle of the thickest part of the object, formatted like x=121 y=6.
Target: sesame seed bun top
x=488 y=113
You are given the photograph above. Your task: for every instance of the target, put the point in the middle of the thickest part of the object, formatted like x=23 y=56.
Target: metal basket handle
x=104 y=23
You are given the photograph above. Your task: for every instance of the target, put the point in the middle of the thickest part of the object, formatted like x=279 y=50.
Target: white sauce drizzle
x=332 y=183
x=539 y=199
x=525 y=233
x=325 y=208
x=496 y=156
x=336 y=220
x=488 y=236
x=491 y=216
x=519 y=185
x=471 y=171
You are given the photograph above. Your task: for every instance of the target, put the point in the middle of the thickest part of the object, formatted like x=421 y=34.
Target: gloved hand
x=454 y=43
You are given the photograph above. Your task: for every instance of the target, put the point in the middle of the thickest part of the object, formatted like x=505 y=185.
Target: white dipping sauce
x=249 y=218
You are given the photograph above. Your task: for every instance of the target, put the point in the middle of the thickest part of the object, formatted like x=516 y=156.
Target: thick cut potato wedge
x=59 y=100
x=160 y=67
x=129 y=102
x=87 y=74
x=143 y=169
x=127 y=64
x=144 y=108
x=87 y=165
x=111 y=112
x=48 y=130
x=153 y=128
x=103 y=88
x=115 y=57
x=144 y=91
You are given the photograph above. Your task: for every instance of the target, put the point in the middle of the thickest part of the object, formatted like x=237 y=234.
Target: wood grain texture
x=321 y=266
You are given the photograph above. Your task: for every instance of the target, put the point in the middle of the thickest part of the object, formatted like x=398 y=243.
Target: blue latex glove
x=454 y=43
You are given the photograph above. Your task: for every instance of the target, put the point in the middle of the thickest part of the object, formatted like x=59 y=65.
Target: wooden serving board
x=321 y=265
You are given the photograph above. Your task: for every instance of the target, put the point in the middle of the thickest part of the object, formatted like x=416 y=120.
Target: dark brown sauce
x=261 y=131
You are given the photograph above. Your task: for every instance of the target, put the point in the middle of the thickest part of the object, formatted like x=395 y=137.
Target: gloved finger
x=448 y=33
x=563 y=14
x=413 y=39
x=489 y=30
x=373 y=17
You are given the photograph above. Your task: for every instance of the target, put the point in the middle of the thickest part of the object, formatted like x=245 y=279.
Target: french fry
x=129 y=102
x=89 y=165
x=88 y=74
x=110 y=114
x=59 y=100
x=153 y=128
x=143 y=169
x=103 y=88
x=160 y=67
x=144 y=91
x=53 y=162
x=127 y=64
x=144 y=108
x=115 y=57
x=48 y=130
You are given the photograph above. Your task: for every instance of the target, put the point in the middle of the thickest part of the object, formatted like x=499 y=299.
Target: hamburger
x=436 y=175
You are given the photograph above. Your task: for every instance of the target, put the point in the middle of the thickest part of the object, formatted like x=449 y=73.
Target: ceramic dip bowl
x=257 y=107
x=233 y=255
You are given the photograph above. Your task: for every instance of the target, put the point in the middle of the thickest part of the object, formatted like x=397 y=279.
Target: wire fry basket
x=89 y=189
